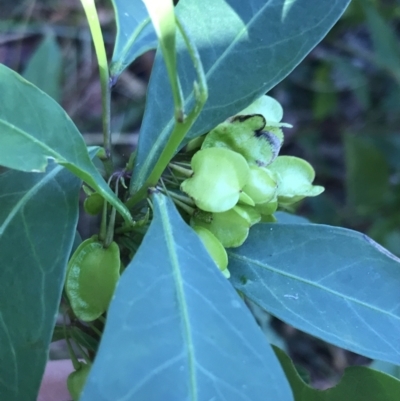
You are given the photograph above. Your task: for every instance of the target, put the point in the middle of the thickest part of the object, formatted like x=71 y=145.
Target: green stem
x=181 y=128
x=129 y=165
x=75 y=362
x=184 y=171
x=111 y=224
x=184 y=206
x=102 y=319
x=182 y=201
x=98 y=41
x=171 y=182
x=83 y=352
x=95 y=329
x=181 y=198
x=103 y=224
x=183 y=164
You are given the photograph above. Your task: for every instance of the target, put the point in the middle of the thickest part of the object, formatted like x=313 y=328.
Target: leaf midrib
x=313 y=284
x=173 y=257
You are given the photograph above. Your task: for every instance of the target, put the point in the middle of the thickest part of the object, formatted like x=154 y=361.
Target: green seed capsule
x=213 y=246
x=77 y=379
x=93 y=204
x=92 y=275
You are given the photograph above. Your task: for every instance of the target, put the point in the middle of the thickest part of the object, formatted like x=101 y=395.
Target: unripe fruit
x=270 y=108
x=218 y=177
x=261 y=186
x=294 y=177
x=93 y=204
x=249 y=136
x=229 y=227
x=267 y=208
x=77 y=379
x=213 y=246
x=92 y=275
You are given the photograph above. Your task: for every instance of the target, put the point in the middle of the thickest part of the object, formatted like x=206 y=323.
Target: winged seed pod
x=231 y=227
x=294 y=177
x=270 y=108
x=218 y=178
x=92 y=275
x=248 y=136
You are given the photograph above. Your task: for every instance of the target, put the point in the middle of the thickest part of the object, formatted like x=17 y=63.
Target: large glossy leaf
x=34 y=129
x=177 y=330
x=246 y=48
x=135 y=34
x=386 y=367
x=45 y=66
x=333 y=283
x=357 y=384
x=38 y=217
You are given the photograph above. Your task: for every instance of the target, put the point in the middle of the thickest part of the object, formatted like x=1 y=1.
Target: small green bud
x=93 y=204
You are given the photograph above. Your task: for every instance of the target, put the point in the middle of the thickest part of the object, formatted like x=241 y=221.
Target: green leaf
x=386 y=367
x=333 y=283
x=177 y=330
x=349 y=76
x=38 y=217
x=246 y=48
x=385 y=41
x=367 y=179
x=34 y=129
x=288 y=218
x=135 y=34
x=45 y=66
x=357 y=384
x=77 y=334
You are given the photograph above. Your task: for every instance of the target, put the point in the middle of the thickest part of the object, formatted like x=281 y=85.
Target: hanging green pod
x=92 y=275
x=77 y=379
x=213 y=246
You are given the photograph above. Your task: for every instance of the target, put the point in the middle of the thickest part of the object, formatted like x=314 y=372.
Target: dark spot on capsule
x=243 y=118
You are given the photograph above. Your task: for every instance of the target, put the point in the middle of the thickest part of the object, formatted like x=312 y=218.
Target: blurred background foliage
x=343 y=101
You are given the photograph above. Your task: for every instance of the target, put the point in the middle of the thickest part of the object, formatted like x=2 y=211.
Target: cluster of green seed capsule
x=238 y=178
